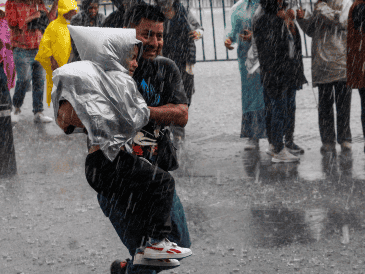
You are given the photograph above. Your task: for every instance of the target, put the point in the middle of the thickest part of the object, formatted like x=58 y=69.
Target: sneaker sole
x=274 y=160
x=150 y=262
x=167 y=256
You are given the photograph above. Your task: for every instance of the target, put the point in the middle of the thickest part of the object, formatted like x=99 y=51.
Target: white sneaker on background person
x=39 y=117
x=284 y=156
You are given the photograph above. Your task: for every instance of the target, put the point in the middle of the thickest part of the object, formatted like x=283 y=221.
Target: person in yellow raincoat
x=55 y=47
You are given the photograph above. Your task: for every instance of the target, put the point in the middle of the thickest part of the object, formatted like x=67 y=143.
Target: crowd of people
x=127 y=80
x=271 y=66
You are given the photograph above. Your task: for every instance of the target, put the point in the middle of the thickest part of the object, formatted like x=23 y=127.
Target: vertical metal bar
x=211 y=10
x=311 y=5
x=201 y=23
x=104 y=9
x=224 y=21
x=113 y=8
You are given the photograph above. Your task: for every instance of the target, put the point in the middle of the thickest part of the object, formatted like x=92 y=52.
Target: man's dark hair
x=272 y=6
x=136 y=13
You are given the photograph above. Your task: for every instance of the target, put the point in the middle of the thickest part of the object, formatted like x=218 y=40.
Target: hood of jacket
x=64 y=6
x=108 y=47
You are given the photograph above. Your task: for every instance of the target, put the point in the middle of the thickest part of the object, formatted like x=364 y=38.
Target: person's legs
x=278 y=121
x=143 y=192
x=4 y=90
x=291 y=108
x=362 y=98
x=23 y=69
x=38 y=77
x=343 y=106
x=131 y=240
x=268 y=116
x=326 y=114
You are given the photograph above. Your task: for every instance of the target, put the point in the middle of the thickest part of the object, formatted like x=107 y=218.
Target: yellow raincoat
x=56 y=42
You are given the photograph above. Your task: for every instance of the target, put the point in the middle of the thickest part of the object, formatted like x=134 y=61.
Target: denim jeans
x=27 y=70
x=280 y=118
x=4 y=91
x=339 y=93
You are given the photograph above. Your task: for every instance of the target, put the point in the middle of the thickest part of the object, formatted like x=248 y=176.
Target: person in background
x=55 y=47
x=327 y=26
x=253 y=106
x=89 y=16
x=355 y=54
x=181 y=30
x=116 y=18
x=25 y=43
x=7 y=71
x=279 y=49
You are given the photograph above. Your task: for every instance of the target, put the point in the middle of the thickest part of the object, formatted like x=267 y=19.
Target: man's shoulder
x=165 y=63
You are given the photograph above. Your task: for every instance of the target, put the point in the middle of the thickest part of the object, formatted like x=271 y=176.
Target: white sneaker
x=165 y=250
x=284 y=157
x=139 y=259
x=39 y=117
x=251 y=144
x=270 y=150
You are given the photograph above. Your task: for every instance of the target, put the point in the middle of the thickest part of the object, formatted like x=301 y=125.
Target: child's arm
x=67 y=116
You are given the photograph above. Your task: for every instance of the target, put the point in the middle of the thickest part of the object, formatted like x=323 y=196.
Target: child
x=99 y=96
x=55 y=47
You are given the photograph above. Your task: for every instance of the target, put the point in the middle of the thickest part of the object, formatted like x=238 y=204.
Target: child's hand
x=228 y=44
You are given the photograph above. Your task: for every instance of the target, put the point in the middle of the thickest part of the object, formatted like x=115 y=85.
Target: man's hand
x=247 y=36
x=300 y=13
x=195 y=35
x=291 y=14
x=228 y=44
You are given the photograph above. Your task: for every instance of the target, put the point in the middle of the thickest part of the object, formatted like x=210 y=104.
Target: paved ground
x=245 y=214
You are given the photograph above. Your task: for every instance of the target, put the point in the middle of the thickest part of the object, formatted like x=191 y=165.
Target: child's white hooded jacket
x=104 y=96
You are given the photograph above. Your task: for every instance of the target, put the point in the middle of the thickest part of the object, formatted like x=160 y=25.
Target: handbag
x=166 y=152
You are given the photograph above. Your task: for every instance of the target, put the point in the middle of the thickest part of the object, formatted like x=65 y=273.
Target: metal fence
x=214 y=17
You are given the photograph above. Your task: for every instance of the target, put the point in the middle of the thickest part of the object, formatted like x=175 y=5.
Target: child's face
x=132 y=61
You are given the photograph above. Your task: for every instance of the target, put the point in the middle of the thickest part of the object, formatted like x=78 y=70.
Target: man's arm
x=170 y=114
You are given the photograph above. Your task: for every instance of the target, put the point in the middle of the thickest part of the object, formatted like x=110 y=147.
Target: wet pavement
x=245 y=214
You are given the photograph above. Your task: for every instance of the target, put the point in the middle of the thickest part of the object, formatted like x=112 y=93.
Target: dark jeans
x=339 y=93
x=362 y=97
x=132 y=241
x=4 y=91
x=27 y=69
x=280 y=118
x=143 y=192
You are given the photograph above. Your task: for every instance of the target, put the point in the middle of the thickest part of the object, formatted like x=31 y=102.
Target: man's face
x=132 y=61
x=93 y=10
x=151 y=34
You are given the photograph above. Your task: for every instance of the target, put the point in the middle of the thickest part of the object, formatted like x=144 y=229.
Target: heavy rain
x=244 y=212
